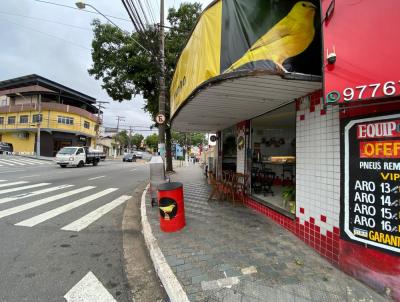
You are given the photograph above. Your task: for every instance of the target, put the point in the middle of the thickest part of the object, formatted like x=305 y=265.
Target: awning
x=245 y=58
x=219 y=105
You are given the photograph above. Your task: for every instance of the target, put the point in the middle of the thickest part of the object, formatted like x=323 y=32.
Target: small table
x=277 y=163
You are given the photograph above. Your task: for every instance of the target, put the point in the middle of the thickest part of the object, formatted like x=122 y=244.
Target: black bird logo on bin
x=168 y=208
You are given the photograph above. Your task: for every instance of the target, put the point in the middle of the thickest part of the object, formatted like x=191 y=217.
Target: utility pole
x=99 y=107
x=130 y=138
x=38 y=126
x=119 y=118
x=161 y=100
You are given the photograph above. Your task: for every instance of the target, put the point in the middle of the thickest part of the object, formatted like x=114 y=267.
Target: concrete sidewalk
x=228 y=253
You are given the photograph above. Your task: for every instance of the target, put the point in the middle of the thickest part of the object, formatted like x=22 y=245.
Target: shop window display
x=229 y=149
x=273 y=169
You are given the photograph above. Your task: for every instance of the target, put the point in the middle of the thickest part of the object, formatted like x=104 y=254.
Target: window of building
x=23 y=119
x=65 y=120
x=86 y=125
x=1 y=120
x=36 y=118
x=274 y=158
x=11 y=120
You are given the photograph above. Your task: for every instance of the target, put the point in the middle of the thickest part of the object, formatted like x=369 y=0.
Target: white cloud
x=62 y=53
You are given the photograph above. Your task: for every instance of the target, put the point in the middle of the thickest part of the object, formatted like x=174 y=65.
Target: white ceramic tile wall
x=318 y=167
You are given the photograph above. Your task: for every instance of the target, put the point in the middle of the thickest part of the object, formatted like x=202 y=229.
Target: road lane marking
x=12 y=171
x=12 y=161
x=65 y=208
x=34 y=193
x=36 y=162
x=97 y=177
x=2 y=180
x=132 y=170
x=40 y=202
x=89 y=289
x=85 y=221
x=29 y=176
x=24 y=187
x=6 y=163
x=13 y=183
x=26 y=162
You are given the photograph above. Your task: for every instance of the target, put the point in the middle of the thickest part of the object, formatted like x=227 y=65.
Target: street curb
x=33 y=157
x=171 y=284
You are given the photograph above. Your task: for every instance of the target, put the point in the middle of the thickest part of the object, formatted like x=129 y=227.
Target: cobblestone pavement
x=232 y=253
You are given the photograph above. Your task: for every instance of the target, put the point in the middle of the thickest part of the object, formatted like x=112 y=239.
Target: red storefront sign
x=380 y=149
x=363 y=35
x=378 y=130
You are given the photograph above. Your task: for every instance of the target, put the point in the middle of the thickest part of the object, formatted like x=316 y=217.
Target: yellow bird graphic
x=167 y=210
x=288 y=38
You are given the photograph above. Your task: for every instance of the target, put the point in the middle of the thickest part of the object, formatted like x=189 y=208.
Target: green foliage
x=289 y=193
x=136 y=140
x=189 y=139
x=152 y=142
x=122 y=138
x=127 y=70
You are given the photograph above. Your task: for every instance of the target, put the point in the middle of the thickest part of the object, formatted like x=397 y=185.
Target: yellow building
x=33 y=106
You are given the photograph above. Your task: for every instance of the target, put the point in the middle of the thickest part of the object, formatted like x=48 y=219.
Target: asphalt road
x=52 y=249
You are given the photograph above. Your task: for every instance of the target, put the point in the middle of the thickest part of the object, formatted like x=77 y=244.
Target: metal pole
x=130 y=138
x=119 y=118
x=38 y=126
x=161 y=100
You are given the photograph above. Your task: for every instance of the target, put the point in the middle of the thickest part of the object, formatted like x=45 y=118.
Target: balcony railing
x=50 y=107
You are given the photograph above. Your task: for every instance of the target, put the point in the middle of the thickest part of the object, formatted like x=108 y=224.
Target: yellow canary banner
x=236 y=36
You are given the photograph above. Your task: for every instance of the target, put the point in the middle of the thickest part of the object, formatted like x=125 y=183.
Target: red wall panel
x=365 y=37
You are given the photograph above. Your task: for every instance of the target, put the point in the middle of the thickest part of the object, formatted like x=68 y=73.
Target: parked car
x=129 y=157
x=139 y=154
x=6 y=148
x=77 y=156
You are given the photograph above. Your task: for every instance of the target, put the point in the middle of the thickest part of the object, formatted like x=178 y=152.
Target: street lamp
x=82 y=5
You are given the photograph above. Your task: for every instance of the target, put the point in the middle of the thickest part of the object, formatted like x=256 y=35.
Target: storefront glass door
x=273 y=168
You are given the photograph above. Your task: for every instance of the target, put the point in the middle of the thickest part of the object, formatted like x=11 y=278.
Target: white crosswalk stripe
x=32 y=161
x=27 y=162
x=36 y=203
x=65 y=208
x=24 y=187
x=34 y=193
x=22 y=161
x=13 y=183
x=81 y=222
x=13 y=162
x=6 y=163
x=85 y=221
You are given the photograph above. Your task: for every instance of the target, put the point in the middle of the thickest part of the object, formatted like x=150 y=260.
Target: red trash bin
x=170 y=204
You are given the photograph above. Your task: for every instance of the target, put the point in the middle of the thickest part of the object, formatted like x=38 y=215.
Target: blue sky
x=61 y=52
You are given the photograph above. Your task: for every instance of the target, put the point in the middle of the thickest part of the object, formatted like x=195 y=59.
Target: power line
x=133 y=14
x=150 y=11
x=47 y=34
x=45 y=20
x=88 y=11
x=144 y=13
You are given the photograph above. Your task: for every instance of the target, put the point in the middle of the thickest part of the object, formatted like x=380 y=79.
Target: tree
x=127 y=70
x=187 y=140
x=136 y=140
x=152 y=141
x=122 y=138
